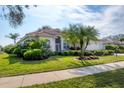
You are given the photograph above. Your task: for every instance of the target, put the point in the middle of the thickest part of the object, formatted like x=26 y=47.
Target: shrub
x=51 y=53
x=34 y=45
x=76 y=53
x=17 y=51
x=28 y=55
x=120 y=51
x=12 y=49
x=111 y=47
x=88 y=53
x=65 y=53
x=103 y=52
x=9 y=49
x=121 y=47
x=99 y=52
x=48 y=53
x=23 y=51
x=110 y=52
x=58 y=53
x=71 y=48
x=35 y=54
x=69 y=53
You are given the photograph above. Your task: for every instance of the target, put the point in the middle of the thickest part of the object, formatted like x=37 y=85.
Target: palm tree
x=70 y=35
x=85 y=34
x=91 y=35
x=13 y=36
x=81 y=35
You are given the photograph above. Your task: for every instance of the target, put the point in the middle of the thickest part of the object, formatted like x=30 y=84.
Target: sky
x=108 y=20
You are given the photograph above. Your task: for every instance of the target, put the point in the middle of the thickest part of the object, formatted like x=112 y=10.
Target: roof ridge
x=51 y=31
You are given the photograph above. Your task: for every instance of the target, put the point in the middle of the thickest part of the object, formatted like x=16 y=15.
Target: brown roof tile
x=45 y=32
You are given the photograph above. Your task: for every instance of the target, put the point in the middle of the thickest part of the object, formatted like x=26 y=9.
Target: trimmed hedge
x=121 y=47
x=120 y=51
x=99 y=52
x=87 y=53
x=103 y=52
x=111 y=47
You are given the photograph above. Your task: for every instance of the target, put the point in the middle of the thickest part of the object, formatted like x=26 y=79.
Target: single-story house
x=56 y=41
x=107 y=41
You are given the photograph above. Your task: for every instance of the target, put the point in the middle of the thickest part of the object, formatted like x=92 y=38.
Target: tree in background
x=46 y=27
x=14 y=14
x=13 y=36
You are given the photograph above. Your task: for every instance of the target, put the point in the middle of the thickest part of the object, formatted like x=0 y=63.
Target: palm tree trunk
x=82 y=50
x=87 y=43
x=74 y=46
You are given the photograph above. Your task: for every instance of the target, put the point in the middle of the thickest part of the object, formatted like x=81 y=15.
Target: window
x=65 y=45
x=48 y=43
x=58 y=44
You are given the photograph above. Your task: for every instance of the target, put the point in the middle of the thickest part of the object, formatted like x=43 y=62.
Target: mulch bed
x=88 y=58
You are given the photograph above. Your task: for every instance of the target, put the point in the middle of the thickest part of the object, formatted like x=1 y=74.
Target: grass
x=10 y=65
x=112 y=79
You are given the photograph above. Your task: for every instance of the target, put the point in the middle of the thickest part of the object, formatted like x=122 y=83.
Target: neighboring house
x=112 y=42
x=56 y=41
x=96 y=45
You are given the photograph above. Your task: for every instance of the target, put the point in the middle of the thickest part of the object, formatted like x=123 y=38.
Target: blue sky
x=108 y=20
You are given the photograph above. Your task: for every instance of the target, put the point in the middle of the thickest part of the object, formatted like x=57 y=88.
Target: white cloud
x=108 y=21
x=112 y=21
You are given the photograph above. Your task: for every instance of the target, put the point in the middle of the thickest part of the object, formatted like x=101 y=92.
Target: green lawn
x=112 y=79
x=11 y=65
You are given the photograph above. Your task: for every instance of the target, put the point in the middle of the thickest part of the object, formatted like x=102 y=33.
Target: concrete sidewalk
x=30 y=79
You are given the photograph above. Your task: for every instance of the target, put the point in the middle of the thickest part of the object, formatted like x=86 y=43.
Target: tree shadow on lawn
x=12 y=59
x=80 y=63
x=44 y=61
x=85 y=62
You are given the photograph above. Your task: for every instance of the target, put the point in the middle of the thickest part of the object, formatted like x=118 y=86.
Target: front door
x=58 y=44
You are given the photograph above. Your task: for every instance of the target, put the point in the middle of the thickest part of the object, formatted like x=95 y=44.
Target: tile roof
x=45 y=32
